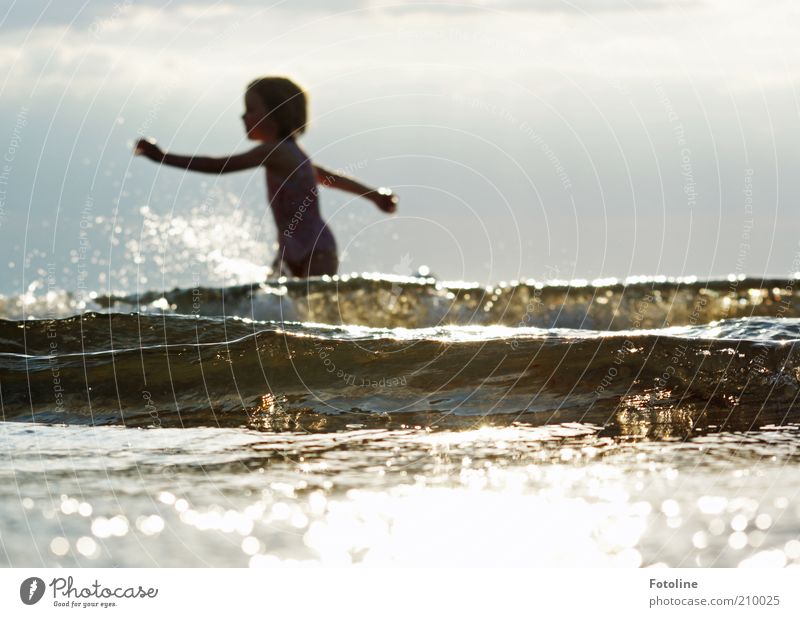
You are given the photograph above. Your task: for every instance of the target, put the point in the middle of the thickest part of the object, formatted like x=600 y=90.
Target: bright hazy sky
x=545 y=139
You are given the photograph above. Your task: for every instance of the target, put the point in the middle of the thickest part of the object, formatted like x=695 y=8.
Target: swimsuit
x=305 y=243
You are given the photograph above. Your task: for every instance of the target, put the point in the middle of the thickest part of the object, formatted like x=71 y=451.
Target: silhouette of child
x=275 y=115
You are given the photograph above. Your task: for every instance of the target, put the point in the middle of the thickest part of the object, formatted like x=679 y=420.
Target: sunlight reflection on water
x=559 y=495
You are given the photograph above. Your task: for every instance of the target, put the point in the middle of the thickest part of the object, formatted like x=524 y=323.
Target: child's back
x=305 y=242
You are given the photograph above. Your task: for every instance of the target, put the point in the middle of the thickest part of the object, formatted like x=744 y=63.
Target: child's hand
x=148 y=148
x=384 y=199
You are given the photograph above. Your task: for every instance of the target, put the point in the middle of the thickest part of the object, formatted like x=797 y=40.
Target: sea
x=403 y=420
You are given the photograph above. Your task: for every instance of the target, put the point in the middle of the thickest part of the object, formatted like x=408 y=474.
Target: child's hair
x=286 y=102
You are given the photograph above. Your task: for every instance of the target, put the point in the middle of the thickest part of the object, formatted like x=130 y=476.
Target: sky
x=537 y=139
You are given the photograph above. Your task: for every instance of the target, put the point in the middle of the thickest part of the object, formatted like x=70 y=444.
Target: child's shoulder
x=295 y=149
x=287 y=149
x=287 y=160
x=278 y=155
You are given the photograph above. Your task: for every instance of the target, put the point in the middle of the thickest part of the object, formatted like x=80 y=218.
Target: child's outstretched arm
x=263 y=154
x=381 y=197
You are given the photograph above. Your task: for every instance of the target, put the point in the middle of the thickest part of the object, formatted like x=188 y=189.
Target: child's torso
x=294 y=201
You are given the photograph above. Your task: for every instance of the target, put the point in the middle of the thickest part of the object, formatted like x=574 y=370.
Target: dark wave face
x=353 y=420
x=369 y=350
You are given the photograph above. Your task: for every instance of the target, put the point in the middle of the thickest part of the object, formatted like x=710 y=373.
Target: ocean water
x=403 y=420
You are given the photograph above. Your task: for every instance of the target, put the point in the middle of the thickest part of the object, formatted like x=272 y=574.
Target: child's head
x=275 y=108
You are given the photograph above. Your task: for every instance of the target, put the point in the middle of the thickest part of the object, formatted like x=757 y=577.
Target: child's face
x=257 y=123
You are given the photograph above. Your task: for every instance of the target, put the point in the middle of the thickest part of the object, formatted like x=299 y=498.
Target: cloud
x=27 y=14
x=206 y=45
x=525 y=6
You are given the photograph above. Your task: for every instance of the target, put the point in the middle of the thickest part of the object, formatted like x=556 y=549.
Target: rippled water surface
x=516 y=494
x=404 y=421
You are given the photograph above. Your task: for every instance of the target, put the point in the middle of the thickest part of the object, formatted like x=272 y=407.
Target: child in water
x=275 y=115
